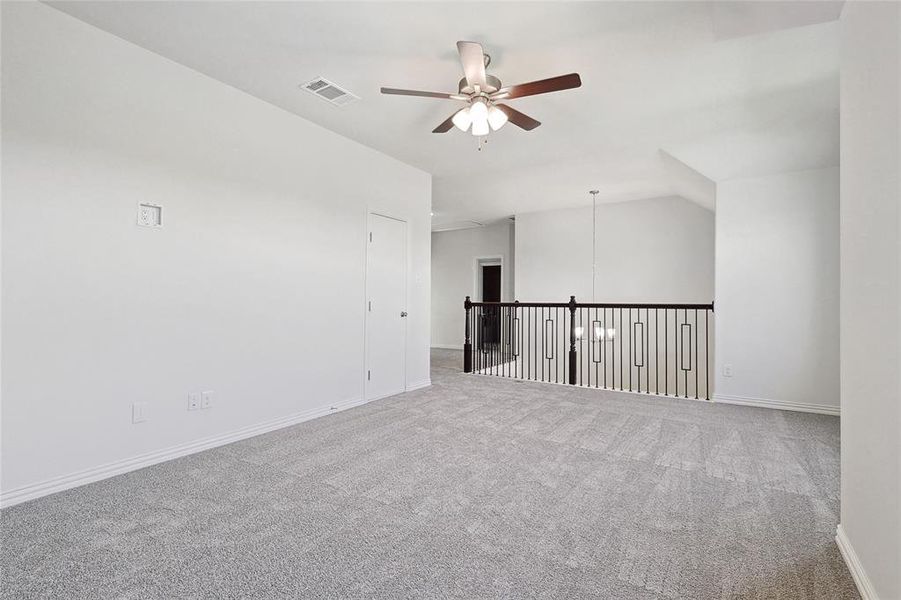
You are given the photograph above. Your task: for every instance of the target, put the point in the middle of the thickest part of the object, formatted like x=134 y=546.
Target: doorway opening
x=489 y=289
x=491 y=283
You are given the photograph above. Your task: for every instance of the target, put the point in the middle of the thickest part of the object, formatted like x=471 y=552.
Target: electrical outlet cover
x=193 y=400
x=206 y=399
x=150 y=215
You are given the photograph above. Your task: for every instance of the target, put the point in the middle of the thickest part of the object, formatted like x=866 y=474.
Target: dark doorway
x=491 y=292
x=491 y=283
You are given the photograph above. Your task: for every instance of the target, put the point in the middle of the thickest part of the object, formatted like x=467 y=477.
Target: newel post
x=467 y=341
x=572 y=340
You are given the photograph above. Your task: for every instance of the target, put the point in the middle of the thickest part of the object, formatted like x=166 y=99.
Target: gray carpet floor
x=476 y=487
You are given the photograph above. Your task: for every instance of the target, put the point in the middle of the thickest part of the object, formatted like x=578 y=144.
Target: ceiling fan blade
x=519 y=119
x=397 y=92
x=473 y=58
x=445 y=126
x=554 y=84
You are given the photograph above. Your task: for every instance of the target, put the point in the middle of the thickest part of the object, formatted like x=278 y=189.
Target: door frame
x=366 y=231
x=487 y=261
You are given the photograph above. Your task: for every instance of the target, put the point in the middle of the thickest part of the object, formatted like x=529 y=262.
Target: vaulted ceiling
x=675 y=95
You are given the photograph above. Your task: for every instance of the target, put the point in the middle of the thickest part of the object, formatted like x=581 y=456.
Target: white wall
x=454 y=275
x=777 y=288
x=656 y=250
x=253 y=287
x=870 y=531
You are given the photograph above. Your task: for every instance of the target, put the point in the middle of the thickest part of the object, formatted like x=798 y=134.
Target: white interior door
x=386 y=322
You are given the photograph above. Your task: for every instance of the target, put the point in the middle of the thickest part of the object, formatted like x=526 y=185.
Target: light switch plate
x=193 y=400
x=150 y=215
x=206 y=399
x=139 y=412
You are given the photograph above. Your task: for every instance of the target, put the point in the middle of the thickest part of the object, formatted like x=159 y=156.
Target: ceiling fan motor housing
x=493 y=85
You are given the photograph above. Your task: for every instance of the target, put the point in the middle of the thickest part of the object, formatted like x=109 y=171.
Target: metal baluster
x=679 y=356
x=619 y=332
x=646 y=328
x=527 y=343
x=657 y=351
x=592 y=349
x=501 y=349
x=631 y=349
x=697 y=357
x=496 y=348
x=513 y=338
x=580 y=340
x=707 y=354
x=505 y=325
x=499 y=345
x=480 y=323
x=685 y=371
x=477 y=324
x=505 y=340
x=589 y=338
x=604 y=346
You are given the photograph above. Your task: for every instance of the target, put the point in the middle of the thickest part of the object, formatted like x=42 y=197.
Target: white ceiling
x=675 y=95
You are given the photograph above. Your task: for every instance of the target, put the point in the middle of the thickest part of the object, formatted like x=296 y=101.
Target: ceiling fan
x=482 y=92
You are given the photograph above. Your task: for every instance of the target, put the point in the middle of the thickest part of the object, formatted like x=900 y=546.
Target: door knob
x=403 y=313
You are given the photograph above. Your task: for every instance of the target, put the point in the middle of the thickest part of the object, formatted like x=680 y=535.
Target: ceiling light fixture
x=478 y=112
x=481 y=116
x=482 y=90
x=480 y=128
x=496 y=118
x=462 y=120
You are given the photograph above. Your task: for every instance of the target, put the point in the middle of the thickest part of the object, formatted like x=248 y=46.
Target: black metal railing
x=650 y=348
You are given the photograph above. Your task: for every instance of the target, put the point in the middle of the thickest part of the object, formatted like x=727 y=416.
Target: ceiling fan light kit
x=496 y=118
x=482 y=91
x=461 y=119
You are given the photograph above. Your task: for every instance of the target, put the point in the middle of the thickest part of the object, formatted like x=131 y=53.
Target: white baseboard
x=416 y=385
x=447 y=347
x=864 y=586
x=64 y=482
x=777 y=404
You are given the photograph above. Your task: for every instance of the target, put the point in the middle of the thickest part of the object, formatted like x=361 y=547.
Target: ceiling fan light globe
x=478 y=111
x=462 y=120
x=480 y=128
x=496 y=118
